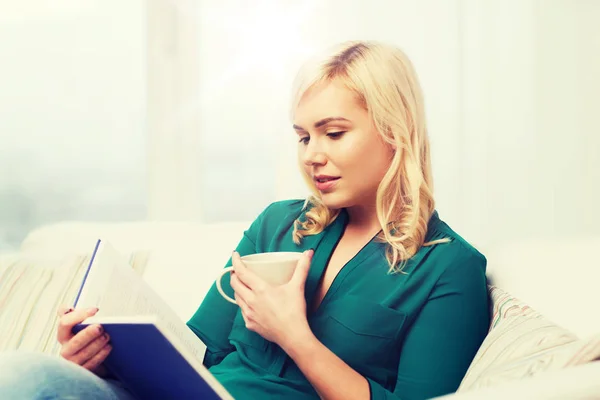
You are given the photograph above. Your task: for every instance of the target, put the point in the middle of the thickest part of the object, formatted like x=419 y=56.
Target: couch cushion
x=575 y=383
x=182 y=271
x=31 y=291
x=21 y=288
x=184 y=257
x=523 y=343
x=80 y=237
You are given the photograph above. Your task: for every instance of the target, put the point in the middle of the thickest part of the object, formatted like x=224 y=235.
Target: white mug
x=275 y=268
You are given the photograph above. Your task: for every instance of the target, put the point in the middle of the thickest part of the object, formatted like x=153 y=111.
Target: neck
x=363 y=219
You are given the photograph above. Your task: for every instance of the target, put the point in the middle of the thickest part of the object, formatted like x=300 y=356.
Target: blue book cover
x=152 y=364
x=154 y=353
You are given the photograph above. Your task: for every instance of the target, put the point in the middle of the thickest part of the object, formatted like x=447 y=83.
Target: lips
x=325 y=183
x=323 y=180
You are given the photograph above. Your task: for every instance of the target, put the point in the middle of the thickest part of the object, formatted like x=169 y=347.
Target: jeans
x=26 y=375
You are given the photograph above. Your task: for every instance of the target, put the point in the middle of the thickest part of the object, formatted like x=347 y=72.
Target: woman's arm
x=213 y=320
x=443 y=340
x=278 y=314
x=437 y=350
x=331 y=377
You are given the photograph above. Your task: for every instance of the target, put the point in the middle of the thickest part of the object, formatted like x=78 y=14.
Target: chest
x=355 y=325
x=342 y=255
x=352 y=310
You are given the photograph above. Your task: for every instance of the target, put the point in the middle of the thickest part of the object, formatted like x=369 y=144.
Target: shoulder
x=272 y=229
x=278 y=214
x=281 y=208
x=458 y=257
x=279 y=211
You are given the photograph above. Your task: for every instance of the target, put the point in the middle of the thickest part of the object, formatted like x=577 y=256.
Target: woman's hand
x=277 y=313
x=89 y=347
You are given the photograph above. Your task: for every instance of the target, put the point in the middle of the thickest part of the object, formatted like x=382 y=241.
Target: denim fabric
x=26 y=375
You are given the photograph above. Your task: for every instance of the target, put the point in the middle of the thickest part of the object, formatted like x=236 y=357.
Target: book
x=154 y=354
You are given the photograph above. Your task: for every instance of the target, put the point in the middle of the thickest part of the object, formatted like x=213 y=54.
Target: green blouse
x=412 y=335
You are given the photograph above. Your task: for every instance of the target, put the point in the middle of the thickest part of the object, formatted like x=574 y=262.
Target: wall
x=529 y=143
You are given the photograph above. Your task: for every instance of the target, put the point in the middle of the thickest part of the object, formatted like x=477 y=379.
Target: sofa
x=544 y=338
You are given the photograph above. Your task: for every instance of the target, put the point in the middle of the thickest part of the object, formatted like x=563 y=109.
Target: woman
x=387 y=301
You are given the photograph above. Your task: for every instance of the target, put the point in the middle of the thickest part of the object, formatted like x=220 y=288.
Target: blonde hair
x=385 y=83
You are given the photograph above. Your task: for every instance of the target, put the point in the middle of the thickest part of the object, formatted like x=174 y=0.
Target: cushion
x=182 y=271
x=523 y=343
x=576 y=383
x=21 y=287
x=185 y=258
x=127 y=237
x=31 y=291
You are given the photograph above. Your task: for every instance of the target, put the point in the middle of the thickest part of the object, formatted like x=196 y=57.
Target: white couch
x=558 y=278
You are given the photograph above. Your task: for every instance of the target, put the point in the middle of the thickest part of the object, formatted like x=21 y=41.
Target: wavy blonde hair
x=385 y=83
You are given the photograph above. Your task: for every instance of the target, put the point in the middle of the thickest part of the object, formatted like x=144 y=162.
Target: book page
x=117 y=290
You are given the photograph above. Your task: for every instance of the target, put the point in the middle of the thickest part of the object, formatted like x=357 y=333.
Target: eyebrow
x=322 y=122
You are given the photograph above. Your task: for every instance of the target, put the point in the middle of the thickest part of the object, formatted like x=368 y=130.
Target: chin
x=335 y=201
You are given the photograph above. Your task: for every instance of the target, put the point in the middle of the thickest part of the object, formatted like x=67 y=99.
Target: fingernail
x=93 y=310
x=100 y=329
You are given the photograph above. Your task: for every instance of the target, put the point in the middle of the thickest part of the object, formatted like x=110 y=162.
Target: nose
x=313 y=155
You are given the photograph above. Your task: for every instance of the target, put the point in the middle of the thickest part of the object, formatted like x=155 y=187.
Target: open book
x=154 y=353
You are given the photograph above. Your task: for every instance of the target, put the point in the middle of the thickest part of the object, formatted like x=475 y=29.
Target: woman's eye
x=335 y=135
x=304 y=140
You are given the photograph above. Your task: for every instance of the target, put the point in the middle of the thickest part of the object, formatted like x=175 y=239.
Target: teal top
x=411 y=335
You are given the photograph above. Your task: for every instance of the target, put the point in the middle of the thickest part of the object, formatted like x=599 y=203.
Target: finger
x=66 y=323
x=81 y=340
x=89 y=351
x=302 y=268
x=247 y=277
x=240 y=289
x=245 y=309
x=235 y=282
x=93 y=363
x=64 y=310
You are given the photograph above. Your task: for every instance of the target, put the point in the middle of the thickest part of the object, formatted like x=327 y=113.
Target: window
x=72 y=115
x=249 y=56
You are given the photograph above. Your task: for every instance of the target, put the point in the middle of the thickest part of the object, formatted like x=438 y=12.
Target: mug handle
x=220 y=289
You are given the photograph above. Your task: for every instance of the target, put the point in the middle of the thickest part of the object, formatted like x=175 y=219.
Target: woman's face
x=339 y=146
